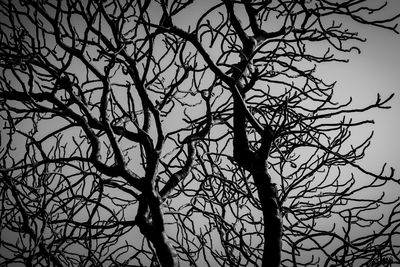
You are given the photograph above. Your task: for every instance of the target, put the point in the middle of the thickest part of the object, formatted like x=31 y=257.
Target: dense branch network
x=148 y=133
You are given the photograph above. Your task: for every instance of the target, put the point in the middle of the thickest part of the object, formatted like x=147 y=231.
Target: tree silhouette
x=199 y=133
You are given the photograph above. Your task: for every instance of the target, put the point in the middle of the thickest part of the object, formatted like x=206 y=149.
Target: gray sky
x=375 y=70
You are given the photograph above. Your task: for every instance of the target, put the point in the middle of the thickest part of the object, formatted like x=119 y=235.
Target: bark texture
x=268 y=196
x=151 y=225
x=256 y=162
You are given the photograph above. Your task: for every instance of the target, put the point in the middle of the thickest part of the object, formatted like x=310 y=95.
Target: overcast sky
x=375 y=70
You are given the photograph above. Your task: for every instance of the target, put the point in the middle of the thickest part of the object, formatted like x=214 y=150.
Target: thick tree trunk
x=256 y=164
x=166 y=253
x=268 y=196
x=255 y=161
x=151 y=225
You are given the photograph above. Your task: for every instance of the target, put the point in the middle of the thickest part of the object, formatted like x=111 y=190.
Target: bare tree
x=159 y=133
